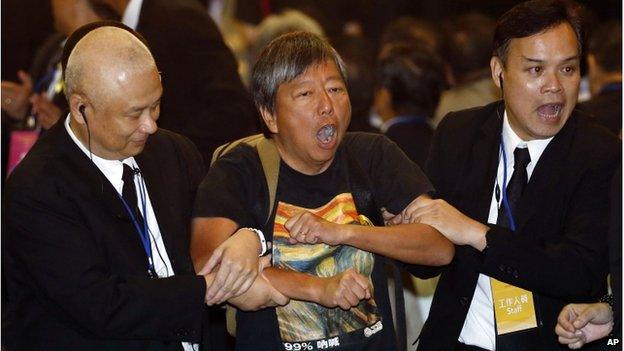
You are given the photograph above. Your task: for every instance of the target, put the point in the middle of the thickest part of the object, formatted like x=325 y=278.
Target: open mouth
x=550 y=111
x=326 y=134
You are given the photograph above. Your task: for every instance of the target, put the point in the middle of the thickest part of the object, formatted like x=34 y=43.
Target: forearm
x=412 y=243
x=295 y=285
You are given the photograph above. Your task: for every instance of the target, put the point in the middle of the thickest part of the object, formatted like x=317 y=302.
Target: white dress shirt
x=479 y=329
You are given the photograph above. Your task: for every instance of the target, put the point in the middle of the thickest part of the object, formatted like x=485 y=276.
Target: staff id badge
x=514 y=308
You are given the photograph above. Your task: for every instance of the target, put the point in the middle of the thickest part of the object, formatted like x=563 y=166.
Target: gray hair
x=284 y=59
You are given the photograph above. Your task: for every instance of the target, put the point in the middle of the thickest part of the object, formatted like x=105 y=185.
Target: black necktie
x=129 y=192
x=515 y=188
x=516 y=185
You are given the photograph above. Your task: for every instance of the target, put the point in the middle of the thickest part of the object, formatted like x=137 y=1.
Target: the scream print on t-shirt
x=301 y=321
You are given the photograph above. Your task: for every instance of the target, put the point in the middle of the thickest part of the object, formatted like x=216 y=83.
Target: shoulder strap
x=269 y=158
x=251 y=140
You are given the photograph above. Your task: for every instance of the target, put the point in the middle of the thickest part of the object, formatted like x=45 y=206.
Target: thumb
x=265 y=262
x=396 y=220
x=25 y=79
x=385 y=214
x=361 y=280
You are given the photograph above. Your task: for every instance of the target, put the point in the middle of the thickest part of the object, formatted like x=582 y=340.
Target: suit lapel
x=79 y=163
x=480 y=169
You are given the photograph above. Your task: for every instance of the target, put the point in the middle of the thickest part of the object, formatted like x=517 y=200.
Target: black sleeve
x=234 y=188
x=53 y=251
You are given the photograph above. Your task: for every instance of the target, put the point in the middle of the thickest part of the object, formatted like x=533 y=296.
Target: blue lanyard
x=512 y=223
x=143 y=232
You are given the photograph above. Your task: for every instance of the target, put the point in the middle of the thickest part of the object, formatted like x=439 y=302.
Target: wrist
x=479 y=241
x=346 y=233
x=608 y=300
x=262 y=244
x=316 y=289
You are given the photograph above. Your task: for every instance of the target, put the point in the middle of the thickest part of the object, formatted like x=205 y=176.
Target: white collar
x=512 y=140
x=131 y=14
x=112 y=169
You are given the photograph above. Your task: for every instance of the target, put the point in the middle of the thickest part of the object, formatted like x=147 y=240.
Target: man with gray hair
x=96 y=217
x=328 y=258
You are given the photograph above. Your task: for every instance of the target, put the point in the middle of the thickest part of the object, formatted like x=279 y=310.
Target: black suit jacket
x=74 y=263
x=559 y=250
x=203 y=98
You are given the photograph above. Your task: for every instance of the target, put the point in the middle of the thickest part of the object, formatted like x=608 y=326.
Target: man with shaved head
x=96 y=217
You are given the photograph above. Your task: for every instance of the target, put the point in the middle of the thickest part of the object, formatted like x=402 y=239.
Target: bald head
x=103 y=61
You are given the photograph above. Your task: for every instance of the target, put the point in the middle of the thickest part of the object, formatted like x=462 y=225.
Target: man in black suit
x=523 y=188
x=96 y=217
x=205 y=99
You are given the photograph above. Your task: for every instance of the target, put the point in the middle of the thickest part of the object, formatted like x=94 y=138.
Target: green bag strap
x=269 y=158
x=251 y=140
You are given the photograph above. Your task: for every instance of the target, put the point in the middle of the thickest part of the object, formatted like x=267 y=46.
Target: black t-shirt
x=235 y=188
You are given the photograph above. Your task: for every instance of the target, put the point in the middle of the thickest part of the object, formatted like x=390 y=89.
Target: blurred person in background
x=604 y=64
x=205 y=99
x=40 y=92
x=358 y=54
x=409 y=83
x=420 y=31
x=408 y=31
x=276 y=24
x=468 y=49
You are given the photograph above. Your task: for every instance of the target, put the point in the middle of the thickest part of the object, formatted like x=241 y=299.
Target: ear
x=496 y=65
x=592 y=65
x=75 y=102
x=383 y=103
x=269 y=119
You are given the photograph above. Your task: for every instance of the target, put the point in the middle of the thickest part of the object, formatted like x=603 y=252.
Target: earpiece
x=82 y=112
x=500 y=80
